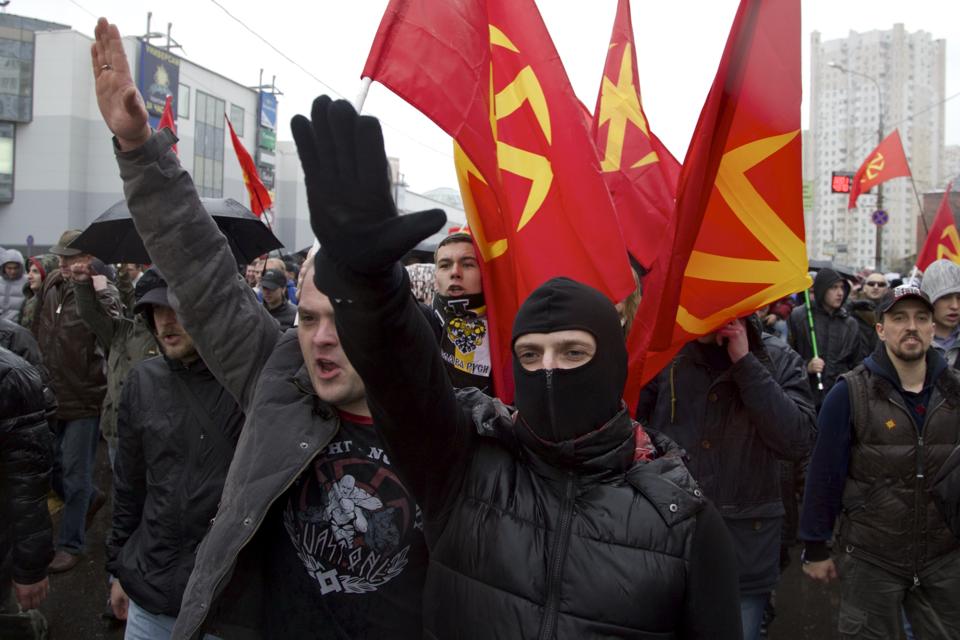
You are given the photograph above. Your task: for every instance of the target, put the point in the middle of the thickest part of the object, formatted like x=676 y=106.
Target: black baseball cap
x=273 y=279
x=903 y=292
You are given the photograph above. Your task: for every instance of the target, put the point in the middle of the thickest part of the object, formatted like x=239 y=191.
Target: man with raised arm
x=315 y=536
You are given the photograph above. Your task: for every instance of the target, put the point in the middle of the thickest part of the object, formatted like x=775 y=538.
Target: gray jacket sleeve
x=88 y=308
x=233 y=332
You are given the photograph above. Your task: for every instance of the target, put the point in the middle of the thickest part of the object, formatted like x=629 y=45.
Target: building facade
x=892 y=79
x=57 y=166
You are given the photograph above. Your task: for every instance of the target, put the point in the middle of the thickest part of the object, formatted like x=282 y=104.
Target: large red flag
x=167 y=121
x=738 y=237
x=885 y=162
x=942 y=239
x=487 y=73
x=639 y=170
x=260 y=200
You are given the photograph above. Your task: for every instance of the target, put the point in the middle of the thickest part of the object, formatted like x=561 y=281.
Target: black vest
x=889 y=517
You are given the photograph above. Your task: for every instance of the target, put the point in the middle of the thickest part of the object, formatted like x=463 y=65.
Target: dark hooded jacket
x=736 y=421
x=26 y=541
x=171 y=464
x=837 y=335
x=546 y=516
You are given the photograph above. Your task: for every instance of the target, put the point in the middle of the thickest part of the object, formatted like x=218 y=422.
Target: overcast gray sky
x=679 y=43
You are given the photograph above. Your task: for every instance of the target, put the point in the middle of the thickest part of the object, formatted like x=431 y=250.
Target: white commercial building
x=57 y=166
x=852 y=80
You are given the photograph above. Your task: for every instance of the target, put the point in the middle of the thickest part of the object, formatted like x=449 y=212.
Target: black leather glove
x=348 y=190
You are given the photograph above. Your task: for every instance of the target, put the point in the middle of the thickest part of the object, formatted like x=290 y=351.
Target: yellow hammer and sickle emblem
x=620 y=104
x=874 y=167
x=524 y=88
x=951 y=252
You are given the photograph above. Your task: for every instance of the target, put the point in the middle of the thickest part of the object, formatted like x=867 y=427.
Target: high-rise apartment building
x=892 y=79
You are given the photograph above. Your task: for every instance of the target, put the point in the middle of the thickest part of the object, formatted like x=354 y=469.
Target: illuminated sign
x=841 y=182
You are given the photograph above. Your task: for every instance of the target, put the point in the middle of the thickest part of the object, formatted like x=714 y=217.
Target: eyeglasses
x=882 y=285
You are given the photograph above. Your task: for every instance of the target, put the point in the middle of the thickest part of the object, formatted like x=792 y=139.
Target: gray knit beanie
x=941 y=278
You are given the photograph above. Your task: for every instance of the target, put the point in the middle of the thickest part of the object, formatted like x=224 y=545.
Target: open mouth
x=327 y=369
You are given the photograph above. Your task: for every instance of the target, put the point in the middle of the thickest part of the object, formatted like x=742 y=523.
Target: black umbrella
x=113 y=238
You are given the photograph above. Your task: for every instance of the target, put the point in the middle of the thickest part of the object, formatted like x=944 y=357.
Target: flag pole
x=926 y=229
x=813 y=335
x=362 y=95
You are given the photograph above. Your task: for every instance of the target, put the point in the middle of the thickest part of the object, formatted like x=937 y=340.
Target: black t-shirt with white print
x=345 y=556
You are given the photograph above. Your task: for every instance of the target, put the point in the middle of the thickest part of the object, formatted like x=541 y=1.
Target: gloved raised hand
x=348 y=190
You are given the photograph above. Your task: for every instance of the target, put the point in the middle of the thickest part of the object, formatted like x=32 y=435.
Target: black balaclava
x=564 y=404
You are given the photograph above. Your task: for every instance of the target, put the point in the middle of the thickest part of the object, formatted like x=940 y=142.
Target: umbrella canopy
x=113 y=238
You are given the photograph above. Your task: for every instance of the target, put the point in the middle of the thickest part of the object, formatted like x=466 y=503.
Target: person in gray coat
x=13 y=277
x=315 y=534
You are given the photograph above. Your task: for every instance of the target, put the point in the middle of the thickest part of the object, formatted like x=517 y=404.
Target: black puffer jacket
x=838 y=337
x=169 y=474
x=736 y=425
x=530 y=539
x=26 y=542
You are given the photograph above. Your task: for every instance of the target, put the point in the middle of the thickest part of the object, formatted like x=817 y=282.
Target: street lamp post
x=878 y=248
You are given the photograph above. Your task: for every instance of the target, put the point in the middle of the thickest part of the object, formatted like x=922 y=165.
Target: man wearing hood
x=737 y=401
x=13 y=278
x=177 y=428
x=563 y=516
x=885 y=430
x=941 y=282
x=461 y=313
x=835 y=331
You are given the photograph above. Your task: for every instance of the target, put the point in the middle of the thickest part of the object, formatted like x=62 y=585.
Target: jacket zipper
x=253 y=531
x=918 y=482
x=558 y=554
x=551 y=409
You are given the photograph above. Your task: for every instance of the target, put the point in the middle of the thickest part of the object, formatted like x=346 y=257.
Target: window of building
x=208 y=145
x=183 y=102
x=236 y=119
x=16 y=74
x=7 y=136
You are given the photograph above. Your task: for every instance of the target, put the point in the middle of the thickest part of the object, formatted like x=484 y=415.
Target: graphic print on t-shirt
x=351 y=520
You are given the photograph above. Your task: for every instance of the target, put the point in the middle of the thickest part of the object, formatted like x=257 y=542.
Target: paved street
x=805 y=611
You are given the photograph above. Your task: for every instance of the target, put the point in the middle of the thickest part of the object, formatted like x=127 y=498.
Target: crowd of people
x=309 y=448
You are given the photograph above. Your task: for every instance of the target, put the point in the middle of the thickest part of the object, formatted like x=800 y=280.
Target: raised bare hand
x=121 y=104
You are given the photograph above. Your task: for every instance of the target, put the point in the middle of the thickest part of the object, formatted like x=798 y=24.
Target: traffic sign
x=880 y=217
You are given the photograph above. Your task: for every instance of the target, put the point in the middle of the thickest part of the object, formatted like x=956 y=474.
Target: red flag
x=167 y=121
x=737 y=234
x=942 y=240
x=637 y=167
x=885 y=162
x=260 y=200
x=487 y=73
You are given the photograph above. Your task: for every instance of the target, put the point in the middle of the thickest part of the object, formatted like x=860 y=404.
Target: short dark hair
x=453 y=238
